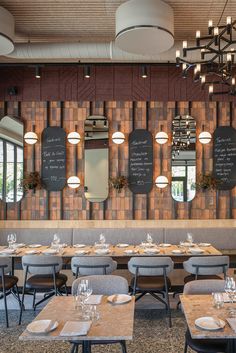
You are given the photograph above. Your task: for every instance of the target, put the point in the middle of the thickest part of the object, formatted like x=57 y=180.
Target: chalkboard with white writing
x=54 y=158
x=224 y=157
x=140 y=161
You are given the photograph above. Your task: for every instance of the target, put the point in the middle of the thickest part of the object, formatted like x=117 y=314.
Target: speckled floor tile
x=151 y=335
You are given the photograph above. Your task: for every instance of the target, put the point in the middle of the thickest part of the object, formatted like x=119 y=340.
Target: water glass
x=218 y=300
x=230 y=289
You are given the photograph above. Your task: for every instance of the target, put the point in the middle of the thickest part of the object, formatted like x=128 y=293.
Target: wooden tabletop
x=115 y=323
x=195 y=306
x=115 y=251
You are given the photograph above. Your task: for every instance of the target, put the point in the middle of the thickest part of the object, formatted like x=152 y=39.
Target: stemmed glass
x=190 y=238
x=83 y=293
x=55 y=242
x=149 y=239
x=102 y=239
x=230 y=289
x=11 y=239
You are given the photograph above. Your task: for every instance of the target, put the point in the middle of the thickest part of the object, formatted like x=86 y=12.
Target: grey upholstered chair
x=7 y=283
x=45 y=276
x=207 y=267
x=105 y=285
x=92 y=265
x=204 y=346
x=150 y=276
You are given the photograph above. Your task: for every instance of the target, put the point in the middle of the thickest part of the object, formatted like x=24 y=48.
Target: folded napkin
x=94 y=300
x=76 y=328
x=232 y=323
x=41 y=326
x=8 y=251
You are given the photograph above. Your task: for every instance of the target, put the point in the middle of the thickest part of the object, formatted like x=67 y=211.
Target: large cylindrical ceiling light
x=7 y=31
x=144 y=27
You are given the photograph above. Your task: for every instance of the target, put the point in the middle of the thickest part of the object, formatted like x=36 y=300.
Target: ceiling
x=94 y=20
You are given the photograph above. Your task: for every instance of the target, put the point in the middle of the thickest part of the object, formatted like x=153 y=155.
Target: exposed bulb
x=185 y=44
x=184 y=66
x=198 y=34
x=233 y=81
x=211 y=89
x=177 y=53
x=203 y=79
x=228 y=20
x=229 y=57
x=216 y=31
x=210 y=23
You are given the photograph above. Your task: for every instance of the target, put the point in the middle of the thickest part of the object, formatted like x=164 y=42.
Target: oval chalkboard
x=54 y=158
x=140 y=161
x=224 y=157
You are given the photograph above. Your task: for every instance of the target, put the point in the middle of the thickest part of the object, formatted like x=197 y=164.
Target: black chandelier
x=217 y=58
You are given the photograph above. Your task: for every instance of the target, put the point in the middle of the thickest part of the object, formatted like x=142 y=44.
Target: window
x=11 y=171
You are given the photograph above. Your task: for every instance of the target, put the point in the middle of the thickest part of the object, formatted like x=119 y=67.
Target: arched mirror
x=11 y=159
x=183 y=185
x=96 y=158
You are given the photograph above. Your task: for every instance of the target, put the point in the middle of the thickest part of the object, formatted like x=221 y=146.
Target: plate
x=81 y=252
x=79 y=246
x=195 y=251
x=20 y=245
x=42 y=326
x=147 y=245
x=7 y=251
x=119 y=298
x=209 y=323
x=50 y=252
x=188 y=245
x=178 y=252
x=130 y=252
x=204 y=244
x=102 y=251
x=122 y=245
x=32 y=252
x=165 y=245
x=151 y=251
x=35 y=246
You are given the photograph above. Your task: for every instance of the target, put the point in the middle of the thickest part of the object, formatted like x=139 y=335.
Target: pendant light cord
x=222 y=13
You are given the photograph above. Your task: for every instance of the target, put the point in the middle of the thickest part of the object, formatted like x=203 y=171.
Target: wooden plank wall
x=158 y=204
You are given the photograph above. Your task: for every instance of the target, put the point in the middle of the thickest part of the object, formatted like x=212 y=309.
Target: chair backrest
x=92 y=265
x=150 y=266
x=106 y=285
x=207 y=265
x=204 y=286
x=6 y=264
x=42 y=265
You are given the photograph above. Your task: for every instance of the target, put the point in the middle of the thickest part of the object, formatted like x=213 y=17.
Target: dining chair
x=204 y=346
x=7 y=283
x=150 y=276
x=45 y=277
x=92 y=265
x=105 y=285
x=206 y=267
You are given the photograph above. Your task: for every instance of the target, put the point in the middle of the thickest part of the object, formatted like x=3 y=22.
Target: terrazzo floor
x=151 y=335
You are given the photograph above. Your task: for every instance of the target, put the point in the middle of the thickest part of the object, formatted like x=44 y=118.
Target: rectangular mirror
x=183 y=185
x=11 y=159
x=96 y=158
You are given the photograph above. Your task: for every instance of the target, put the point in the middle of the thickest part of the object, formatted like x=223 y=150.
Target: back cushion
x=40 y=236
x=115 y=236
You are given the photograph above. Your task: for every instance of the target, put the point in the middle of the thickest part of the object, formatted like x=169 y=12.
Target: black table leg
x=231 y=346
x=86 y=347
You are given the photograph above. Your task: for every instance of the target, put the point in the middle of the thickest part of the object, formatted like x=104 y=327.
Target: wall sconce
x=204 y=137
x=73 y=138
x=37 y=72
x=144 y=73
x=161 y=182
x=87 y=71
x=31 y=138
x=118 y=137
x=161 y=137
x=73 y=182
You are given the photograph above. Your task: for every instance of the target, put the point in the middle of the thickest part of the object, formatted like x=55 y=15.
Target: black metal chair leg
x=17 y=295
x=185 y=347
x=123 y=346
x=34 y=297
x=5 y=306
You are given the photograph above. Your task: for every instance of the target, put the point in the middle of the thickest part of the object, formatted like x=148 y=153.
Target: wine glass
x=11 y=239
x=190 y=238
x=102 y=239
x=149 y=239
x=230 y=289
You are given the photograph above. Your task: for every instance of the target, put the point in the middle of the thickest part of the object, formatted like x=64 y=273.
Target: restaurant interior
x=117 y=176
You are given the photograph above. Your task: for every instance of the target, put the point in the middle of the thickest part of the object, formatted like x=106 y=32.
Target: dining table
x=202 y=306
x=115 y=322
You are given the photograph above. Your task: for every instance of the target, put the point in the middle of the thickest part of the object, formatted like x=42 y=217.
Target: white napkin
x=76 y=328
x=94 y=300
x=232 y=323
x=8 y=251
x=40 y=326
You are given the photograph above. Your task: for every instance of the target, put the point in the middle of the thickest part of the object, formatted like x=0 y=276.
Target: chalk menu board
x=224 y=157
x=140 y=161
x=54 y=158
